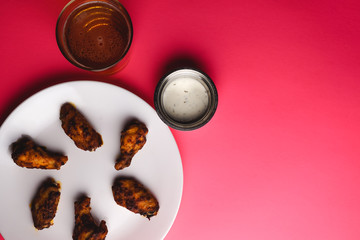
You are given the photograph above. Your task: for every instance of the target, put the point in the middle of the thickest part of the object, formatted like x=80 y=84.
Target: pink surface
x=280 y=160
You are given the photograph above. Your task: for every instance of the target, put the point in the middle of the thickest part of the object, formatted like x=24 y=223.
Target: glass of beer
x=95 y=35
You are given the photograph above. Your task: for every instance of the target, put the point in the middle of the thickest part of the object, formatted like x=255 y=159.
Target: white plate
x=108 y=107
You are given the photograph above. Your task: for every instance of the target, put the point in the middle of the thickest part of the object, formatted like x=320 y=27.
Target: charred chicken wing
x=131 y=194
x=77 y=127
x=27 y=153
x=85 y=226
x=133 y=138
x=45 y=203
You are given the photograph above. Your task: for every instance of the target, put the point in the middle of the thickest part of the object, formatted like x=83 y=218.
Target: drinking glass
x=95 y=35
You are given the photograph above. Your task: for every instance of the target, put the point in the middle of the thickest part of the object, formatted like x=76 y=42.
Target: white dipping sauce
x=185 y=99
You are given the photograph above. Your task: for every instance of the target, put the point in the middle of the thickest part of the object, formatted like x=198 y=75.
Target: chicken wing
x=27 y=153
x=85 y=226
x=77 y=127
x=131 y=194
x=45 y=203
x=133 y=138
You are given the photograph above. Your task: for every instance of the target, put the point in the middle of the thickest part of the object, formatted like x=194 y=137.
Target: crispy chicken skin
x=85 y=226
x=77 y=127
x=27 y=153
x=134 y=196
x=45 y=203
x=133 y=138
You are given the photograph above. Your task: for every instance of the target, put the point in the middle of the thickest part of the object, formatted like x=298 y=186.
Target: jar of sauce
x=186 y=99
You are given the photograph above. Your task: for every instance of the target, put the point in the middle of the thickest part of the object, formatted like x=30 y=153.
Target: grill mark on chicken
x=27 y=153
x=79 y=129
x=44 y=204
x=85 y=225
x=132 y=139
x=133 y=195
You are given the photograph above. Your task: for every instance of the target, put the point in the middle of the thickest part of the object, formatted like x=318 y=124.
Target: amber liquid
x=97 y=35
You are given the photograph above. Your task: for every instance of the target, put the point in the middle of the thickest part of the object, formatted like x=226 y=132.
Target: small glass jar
x=186 y=99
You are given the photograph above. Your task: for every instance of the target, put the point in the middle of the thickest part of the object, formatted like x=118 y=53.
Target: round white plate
x=157 y=165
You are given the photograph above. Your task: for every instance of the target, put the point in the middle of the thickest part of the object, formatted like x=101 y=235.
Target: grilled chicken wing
x=27 y=153
x=77 y=127
x=45 y=203
x=85 y=226
x=133 y=138
x=131 y=194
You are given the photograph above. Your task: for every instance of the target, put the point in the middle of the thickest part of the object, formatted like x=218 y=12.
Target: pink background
x=280 y=160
